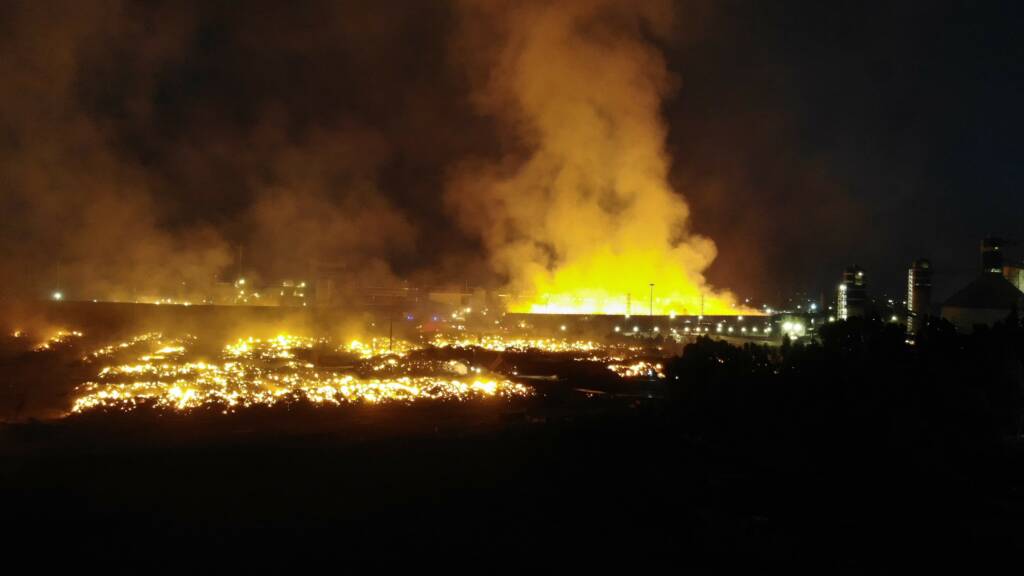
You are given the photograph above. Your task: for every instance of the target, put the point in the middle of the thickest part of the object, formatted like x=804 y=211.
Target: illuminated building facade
x=1015 y=274
x=919 y=293
x=989 y=299
x=852 y=295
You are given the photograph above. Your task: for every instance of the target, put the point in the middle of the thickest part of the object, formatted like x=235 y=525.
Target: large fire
x=587 y=218
x=180 y=373
x=254 y=371
x=614 y=290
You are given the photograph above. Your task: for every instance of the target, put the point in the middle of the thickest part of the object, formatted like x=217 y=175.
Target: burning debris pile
x=638 y=369
x=185 y=372
x=59 y=338
x=254 y=371
x=375 y=347
x=129 y=343
x=497 y=343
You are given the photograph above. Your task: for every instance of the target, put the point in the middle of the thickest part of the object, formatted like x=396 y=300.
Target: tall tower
x=919 y=293
x=853 y=293
x=992 y=255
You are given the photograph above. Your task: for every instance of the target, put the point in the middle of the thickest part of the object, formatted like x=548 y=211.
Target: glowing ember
x=233 y=386
x=155 y=371
x=638 y=369
x=250 y=373
x=281 y=347
x=588 y=351
x=121 y=346
x=61 y=337
x=380 y=347
x=500 y=344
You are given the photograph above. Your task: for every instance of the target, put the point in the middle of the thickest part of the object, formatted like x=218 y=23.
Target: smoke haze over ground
x=143 y=143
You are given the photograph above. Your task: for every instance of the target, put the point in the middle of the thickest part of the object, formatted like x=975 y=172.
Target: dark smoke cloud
x=143 y=142
x=77 y=212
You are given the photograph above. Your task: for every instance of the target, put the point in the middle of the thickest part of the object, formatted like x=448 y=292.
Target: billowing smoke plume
x=154 y=149
x=582 y=218
x=75 y=213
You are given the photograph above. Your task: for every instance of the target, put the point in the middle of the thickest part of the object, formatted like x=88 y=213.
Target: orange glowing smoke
x=583 y=219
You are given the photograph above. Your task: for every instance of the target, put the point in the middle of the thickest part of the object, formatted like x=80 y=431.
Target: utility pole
x=651 y=312
x=629 y=303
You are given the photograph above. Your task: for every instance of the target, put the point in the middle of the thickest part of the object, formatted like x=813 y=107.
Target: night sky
x=149 y=140
x=853 y=132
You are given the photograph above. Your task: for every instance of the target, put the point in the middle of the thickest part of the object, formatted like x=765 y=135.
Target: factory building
x=1015 y=274
x=990 y=298
x=919 y=294
x=852 y=294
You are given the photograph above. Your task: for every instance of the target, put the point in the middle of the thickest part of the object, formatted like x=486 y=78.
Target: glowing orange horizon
x=604 y=281
x=672 y=306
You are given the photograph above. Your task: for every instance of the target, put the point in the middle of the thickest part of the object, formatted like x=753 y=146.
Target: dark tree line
x=862 y=397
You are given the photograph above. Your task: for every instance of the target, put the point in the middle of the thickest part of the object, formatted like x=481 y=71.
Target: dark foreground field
x=857 y=453
x=620 y=482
